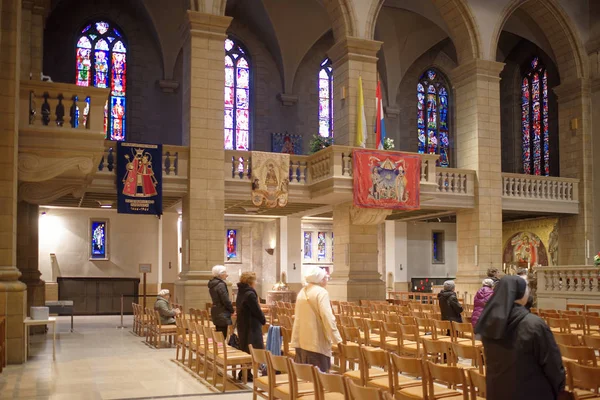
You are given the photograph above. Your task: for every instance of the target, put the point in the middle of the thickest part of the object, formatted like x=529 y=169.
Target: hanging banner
x=270 y=179
x=139 y=178
x=388 y=180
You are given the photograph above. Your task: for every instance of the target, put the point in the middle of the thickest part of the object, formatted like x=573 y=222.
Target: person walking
x=314 y=330
x=166 y=312
x=222 y=308
x=483 y=295
x=523 y=360
x=449 y=305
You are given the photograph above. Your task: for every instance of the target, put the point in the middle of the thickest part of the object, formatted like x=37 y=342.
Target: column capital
x=204 y=25
x=355 y=49
x=487 y=70
x=573 y=89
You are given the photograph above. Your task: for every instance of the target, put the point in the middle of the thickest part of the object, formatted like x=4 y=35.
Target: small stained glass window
x=237 y=97
x=98 y=240
x=101 y=61
x=534 y=120
x=437 y=242
x=433 y=116
x=326 y=99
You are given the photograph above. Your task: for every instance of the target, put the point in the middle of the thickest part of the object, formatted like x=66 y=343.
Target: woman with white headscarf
x=314 y=330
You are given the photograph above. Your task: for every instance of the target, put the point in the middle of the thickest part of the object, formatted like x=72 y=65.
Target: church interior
x=397 y=144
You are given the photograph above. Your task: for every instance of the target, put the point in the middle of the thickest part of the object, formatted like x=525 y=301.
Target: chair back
x=567 y=339
x=437 y=351
x=279 y=363
x=593 y=325
x=592 y=341
x=583 y=377
x=351 y=334
x=468 y=352
x=332 y=383
x=562 y=324
x=454 y=377
x=575 y=307
x=464 y=330
x=442 y=328
x=583 y=355
x=306 y=373
x=409 y=332
x=362 y=392
x=477 y=385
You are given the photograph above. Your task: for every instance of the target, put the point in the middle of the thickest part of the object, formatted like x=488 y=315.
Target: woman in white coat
x=314 y=330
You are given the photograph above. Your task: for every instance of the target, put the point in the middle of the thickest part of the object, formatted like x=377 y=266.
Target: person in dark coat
x=523 y=360
x=222 y=308
x=449 y=305
x=250 y=318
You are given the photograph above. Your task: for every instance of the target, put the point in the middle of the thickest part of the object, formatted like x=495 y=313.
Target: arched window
x=534 y=120
x=237 y=96
x=432 y=116
x=102 y=62
x=326 y=99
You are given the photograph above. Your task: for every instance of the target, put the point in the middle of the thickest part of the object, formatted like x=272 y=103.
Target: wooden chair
x=363 y=393
x=560 y=325
x=592 y=341
x=228 y=359
x=306 y=374
x=452 y=376
x=391 y=336
x=179 y=340
x=191 y=340
x=349 y=357
x=568 y=339
x=577 y=324
x=467 y=352
x=201 y=347
x=593 y=308
x=408 y=377
x=477 y=385
x=159 y=330
x=377 y=377
x=332 y=387
x=374 y=336
x=579 y=354
x=592 y=325
x=263 y=386
x=292 y=389
x=584 y=381
x=575 y=307
x=410 y=342
x=286 y=338
x=436 y=351
x=465 y=330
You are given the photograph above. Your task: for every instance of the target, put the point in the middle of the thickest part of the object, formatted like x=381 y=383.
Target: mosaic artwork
x=525 y=249
x=286 y=143
x=101 y=61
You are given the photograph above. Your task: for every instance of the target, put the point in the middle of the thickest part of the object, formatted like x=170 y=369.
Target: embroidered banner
x=270 y=179
x=387 y=180
x=139 y=178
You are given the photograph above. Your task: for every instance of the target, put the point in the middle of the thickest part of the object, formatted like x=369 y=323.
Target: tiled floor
x=98 y=361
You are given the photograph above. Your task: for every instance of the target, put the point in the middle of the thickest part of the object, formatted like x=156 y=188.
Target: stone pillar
x=479 y=230
x=27 y=253
x=353 y=57
x=290 y=240
x=12 y=292
x=355 y=274
x=203 y=207
x=32 y=37
x=577 y=161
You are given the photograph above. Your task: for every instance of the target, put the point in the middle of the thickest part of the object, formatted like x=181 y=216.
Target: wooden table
x=27 y=322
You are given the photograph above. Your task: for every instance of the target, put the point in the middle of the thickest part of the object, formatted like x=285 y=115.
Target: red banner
x=387 y=180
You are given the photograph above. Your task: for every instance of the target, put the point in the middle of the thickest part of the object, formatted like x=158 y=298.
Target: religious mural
x=286 y=143
x=525 y=249
x=270 y=174
x=386 y=180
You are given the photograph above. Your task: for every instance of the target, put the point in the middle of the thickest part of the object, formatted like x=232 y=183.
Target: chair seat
x=304 y=389
x=381 y=383
x=406 y=382
x=243 y=358
x=279 y=379
x=334 y=396
x=440 y=392
x=168 y=328
x=354 y=375
x=586 y=395
x=376 y=373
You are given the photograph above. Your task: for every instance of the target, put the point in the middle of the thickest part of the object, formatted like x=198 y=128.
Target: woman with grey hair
x=449 y=305
x=482 y=296
x=222 y=308
x=166 y=312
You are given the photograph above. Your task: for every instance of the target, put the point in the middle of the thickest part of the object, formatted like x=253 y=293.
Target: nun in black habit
x=523 y=360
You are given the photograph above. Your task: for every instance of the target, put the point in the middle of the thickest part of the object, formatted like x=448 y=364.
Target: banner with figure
x=270 y=179
x=139 y=178
x=385 y=179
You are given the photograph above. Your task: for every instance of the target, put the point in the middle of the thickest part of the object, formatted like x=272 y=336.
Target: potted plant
x=388 y=144
x=597 y=259
x=318 y=143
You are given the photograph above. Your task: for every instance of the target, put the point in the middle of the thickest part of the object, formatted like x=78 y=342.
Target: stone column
x=355 y=274
x=290 y=234
x=479 y=230
x=27 y=253
x=203 y=207
x=353 y=57
x=12 y=292
x=577 y=161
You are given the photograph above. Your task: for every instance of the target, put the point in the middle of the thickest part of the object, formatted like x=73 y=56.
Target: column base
x=356 y=290
x=13 y=300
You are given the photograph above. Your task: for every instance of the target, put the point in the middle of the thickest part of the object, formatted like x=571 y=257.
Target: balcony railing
x=575 y=279
x=171 y=164
x=534 y=193
x=61 y=105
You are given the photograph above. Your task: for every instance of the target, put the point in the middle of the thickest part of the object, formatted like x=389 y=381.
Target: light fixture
x=105 y=203
x=270 y=251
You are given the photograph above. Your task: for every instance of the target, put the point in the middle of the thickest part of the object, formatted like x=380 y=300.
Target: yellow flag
x=361 y=120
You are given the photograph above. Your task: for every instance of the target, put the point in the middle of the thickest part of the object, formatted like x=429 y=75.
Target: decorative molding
x=207 y=25
x=287 y=100
x=368 y=216
x=34 y=168
x=168 y=85
x=46 y=192
x=355 y=49
x=485 y=69
x=391 y=112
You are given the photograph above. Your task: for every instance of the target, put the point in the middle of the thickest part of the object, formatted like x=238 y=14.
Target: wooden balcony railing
x=62 y=105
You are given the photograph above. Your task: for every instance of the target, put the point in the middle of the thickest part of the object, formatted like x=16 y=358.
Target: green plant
x=388 y=144
x=597 y=259
x=319 y=142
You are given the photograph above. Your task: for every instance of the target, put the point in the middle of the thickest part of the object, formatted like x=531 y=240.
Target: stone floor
x=98 y=361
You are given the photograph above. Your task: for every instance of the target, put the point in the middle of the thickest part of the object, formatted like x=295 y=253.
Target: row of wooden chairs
x=575 y=324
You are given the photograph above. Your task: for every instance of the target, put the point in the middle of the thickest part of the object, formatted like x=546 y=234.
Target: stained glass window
x=237 y=97
x=326 y=99
x=534 y=120
x=433 y=116
x=321 y=246
x=308 y=245
x=98 y=240
x=101 y=61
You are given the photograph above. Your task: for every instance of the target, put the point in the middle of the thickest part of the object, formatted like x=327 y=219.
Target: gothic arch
x=570 y=56
x=461 y=24
x=343 y=18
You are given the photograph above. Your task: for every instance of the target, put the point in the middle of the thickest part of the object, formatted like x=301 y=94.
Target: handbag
x=234 y=340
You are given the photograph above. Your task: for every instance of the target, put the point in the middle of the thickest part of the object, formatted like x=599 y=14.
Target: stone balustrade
x=455 y=181
x=539 y=187
x=557 y=286
x=61 y=105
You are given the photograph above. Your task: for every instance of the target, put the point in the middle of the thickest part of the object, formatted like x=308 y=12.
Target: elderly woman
x=250 y=317
x=222 y=308
x=314 y=330
x=449 y=305
x=166 y=312
x=523 y=360
x=482 y=296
